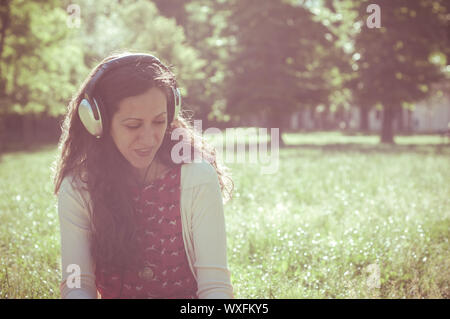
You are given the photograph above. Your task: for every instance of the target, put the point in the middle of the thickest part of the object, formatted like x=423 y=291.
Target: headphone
x=90 y=109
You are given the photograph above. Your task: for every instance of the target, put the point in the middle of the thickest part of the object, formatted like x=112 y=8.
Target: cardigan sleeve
x=78 y=276
x=209 y=236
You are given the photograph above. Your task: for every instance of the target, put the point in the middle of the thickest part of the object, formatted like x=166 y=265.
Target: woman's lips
x=143 y=152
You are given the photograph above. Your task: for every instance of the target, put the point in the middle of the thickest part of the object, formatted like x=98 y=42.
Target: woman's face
x=138 y=127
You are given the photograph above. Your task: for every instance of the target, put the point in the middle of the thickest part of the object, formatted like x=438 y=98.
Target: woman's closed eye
x=133 y=127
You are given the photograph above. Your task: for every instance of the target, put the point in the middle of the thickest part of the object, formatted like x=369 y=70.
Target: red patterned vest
x=163 y=270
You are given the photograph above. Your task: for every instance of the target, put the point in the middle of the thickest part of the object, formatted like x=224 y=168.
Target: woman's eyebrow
x=135 y=118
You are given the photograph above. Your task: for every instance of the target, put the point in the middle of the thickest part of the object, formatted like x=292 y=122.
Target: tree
x=279 y=60
x=39 y=66
x=44 y=58
x=137 y=25
x=203 y=21
x=395 y=62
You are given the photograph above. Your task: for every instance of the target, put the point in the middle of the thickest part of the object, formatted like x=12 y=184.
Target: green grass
x=29 y=226
x=338 y=207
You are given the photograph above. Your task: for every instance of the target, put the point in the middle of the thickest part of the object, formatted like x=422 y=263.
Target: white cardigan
x=203 y=227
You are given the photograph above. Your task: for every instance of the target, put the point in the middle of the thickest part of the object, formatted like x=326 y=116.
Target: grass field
x=344 y=217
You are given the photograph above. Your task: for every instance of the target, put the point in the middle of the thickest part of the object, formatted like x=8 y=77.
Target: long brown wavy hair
x=105 y=173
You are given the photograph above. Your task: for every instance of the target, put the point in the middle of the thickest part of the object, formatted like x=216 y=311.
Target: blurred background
x=360 y=91
x=298 y=65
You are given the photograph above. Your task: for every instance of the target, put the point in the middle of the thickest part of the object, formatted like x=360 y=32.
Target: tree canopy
x=235 y=60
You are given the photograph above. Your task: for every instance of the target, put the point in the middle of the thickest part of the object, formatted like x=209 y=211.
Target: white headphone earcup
x=86 y=114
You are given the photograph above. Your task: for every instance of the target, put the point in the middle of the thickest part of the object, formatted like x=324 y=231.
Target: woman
x=135 y=221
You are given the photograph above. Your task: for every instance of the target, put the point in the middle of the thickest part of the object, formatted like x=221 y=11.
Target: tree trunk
x=301 y=119
x=409 y=122
x=2 y=136
x=400 y=124
x=324 y=119
x=281 y=140
x=364 y=118
x=276 y=121
x=5 y=21
x=28 y=130
x=387 y=131
x=312 y=118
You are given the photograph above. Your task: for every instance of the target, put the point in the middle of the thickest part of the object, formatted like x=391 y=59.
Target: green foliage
x=280 y=55
x=392 y=63
x=233 y=59
x=47 y=56
x=137 y=26
x=39 y=66
x=203 y=22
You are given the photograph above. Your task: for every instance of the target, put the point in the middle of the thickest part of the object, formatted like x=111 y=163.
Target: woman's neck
x=149 y=174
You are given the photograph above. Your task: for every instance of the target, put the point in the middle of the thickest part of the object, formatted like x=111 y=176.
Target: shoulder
x=73 y=191
x=72 y=183
x=197 y=173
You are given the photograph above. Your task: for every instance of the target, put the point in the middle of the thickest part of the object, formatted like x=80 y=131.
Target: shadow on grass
x=363 y=148
x=17 y=149
x=441 y=149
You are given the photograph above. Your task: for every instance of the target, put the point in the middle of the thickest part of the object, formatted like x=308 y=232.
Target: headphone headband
x=90 y=109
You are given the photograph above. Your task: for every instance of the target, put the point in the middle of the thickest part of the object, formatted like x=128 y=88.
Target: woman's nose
x=148 y=136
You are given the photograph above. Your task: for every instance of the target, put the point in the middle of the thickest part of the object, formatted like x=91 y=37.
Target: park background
x=360 y=205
